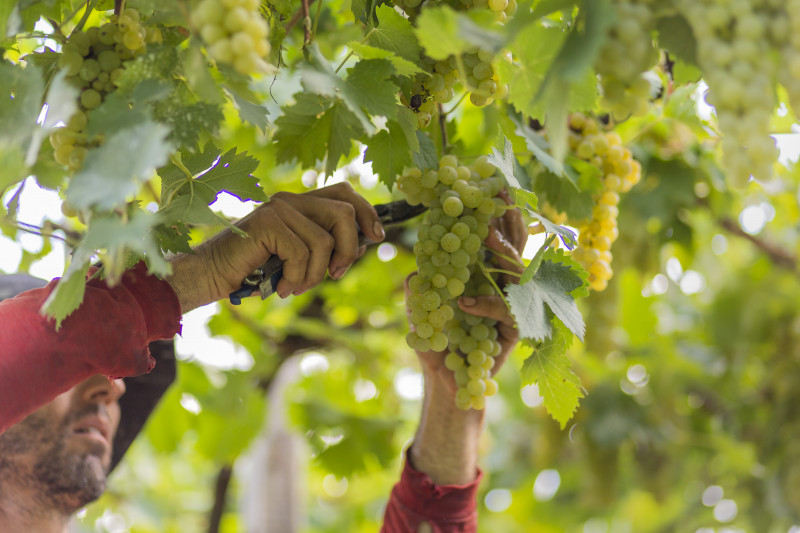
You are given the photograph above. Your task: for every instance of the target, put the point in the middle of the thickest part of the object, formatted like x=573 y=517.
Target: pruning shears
x=264 y=280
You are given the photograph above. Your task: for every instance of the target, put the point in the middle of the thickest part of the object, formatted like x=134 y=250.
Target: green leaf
x=370 y=88
x=534 y=52
x=426 y=158
x=255 y=114
x=395 y=34
x=117 y=237
x=402 y=66
x=573 y=197
x=315 y=127
x=545 y=7
x=507 y=164
x=114 y=171
x=407 y=120
x=61 y=101
x=567 y=235
x=444 y=32
x=676 y=36
x=187 y=200
x=536 y=261
x=551 y=370
x=389 y=153
x=550 y=287
x=68 y=293
x=296 y=136
x=583 y=44
x=21 y=92
x=538 y=146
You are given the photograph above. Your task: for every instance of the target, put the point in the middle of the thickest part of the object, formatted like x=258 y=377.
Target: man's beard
x=66 y=480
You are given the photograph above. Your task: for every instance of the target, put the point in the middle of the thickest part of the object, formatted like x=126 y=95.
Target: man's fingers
x=487 y=306
x=365 y=214
x=304 y=246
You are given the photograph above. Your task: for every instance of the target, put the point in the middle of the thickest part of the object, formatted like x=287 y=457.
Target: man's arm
x=108 y=334
x=441 y=476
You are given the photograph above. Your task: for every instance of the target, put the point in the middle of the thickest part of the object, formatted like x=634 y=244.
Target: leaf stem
x=90 y=5
x=486 y=273
x=506 y=272
x=442 y=126
x=316 y=19
x=507 y=258
x=351 y=52
x=178 y=163
x=463 y=97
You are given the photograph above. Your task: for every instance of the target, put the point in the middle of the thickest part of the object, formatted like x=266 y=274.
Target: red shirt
x=109 y=333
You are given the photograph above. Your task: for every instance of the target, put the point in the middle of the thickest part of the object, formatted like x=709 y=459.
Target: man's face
x=62 y=451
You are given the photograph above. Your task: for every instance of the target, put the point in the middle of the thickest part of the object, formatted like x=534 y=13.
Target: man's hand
x=313 y=233
x=446 y=444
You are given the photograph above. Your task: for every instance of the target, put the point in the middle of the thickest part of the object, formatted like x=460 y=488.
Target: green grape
x=90 y=99
x=453 y=361
x=438 y=341
x=108 y=60
x=476 y=386
x=453 y=206
x=450 y=242
x=71 y=62
x=476 y=357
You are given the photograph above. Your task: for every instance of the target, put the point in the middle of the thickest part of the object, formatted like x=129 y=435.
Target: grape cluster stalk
x=93 y=61
x=449 y=251
x=620 y=172
x=235 y=33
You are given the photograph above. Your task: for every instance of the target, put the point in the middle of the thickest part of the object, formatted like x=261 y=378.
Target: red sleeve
x=108 y=334
x=416 y=499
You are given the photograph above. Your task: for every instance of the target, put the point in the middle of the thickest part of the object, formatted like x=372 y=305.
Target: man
x=55 y=460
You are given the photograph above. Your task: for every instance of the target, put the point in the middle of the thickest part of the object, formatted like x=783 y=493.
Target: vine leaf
x=395 y=34
x=402 y=66
x=550 y=288
x=551 y=370
x=507 y=164
x=389 y=152
x=426 y=158
x=444 y=32
x=114 y=171
x=187 y=200
x=538 y=146
x=315 y=126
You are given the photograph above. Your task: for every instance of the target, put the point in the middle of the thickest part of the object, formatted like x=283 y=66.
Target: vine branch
x=220 y=495
x=779 y=256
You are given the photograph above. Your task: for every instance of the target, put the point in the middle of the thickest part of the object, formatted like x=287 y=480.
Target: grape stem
x=316 y=19
x=507 y=258
x=306 y=24
x=90 y=5
x=486 y=273
x=463 y=97
x=351 y=52
x=442 y=126
x=36 y=230
x=506 y=272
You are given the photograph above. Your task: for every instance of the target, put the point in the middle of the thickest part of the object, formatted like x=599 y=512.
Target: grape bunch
x=734 y=53
x=93 y=61
x=481 y=78
x=620 y=172
x=235 y=33
x=628 y=53
x=462 y=201
x=437 y=86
